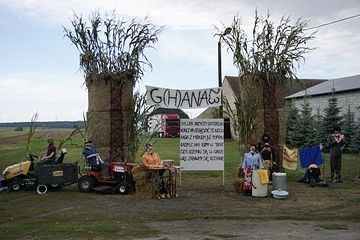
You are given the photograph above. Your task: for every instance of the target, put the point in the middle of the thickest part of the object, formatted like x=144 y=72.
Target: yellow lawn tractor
x=40 y=176
x=20 y=175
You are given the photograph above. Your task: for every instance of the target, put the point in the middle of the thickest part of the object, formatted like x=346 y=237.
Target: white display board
x=174 y=98
x=202 y=144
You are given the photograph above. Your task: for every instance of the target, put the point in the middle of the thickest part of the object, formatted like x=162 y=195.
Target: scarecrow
x=150 y=158
x=252 y=161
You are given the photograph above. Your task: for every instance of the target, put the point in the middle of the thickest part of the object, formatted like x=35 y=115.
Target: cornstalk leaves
x=243 y=117
x=112 y=45
x=137 y=124
x=272 y=51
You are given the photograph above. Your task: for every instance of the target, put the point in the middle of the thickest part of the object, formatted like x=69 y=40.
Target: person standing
x=336 y=141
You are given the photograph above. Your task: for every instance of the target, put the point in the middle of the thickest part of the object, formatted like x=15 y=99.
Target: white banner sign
x=172 y=98
x=202 y=144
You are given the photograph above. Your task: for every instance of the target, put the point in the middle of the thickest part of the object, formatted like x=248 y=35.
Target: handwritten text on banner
x=202 y=144
x=172 y=98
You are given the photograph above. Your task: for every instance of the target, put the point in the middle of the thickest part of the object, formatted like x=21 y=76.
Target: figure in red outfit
x=51 y=151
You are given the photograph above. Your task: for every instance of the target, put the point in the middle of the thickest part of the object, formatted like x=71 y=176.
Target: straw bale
x=143 y=185
x=240 y=172
x=104 y=152
x=146 y=190
x=122 y=96
x=238 y=185
x=99 y=128
x=141 y=175
x=137 y=169
x=99 y=96
x=105 y=90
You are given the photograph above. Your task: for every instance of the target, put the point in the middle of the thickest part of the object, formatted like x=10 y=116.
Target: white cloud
x=187 y=41
x=22 y=96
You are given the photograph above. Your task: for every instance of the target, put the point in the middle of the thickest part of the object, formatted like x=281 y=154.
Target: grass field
x=69 y=214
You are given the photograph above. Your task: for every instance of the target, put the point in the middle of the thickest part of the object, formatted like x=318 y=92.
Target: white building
x=346 y=90
x=231 y=88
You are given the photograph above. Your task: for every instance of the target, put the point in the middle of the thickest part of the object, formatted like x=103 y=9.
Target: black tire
x=123 y=188
x=86 y=183
x=42 y=189
x=14 y=186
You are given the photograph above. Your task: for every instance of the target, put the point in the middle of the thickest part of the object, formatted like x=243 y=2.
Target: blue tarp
x=310 y=155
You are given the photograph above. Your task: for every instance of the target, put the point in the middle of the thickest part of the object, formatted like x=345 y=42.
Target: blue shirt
x=253 y=160
x=91 y=154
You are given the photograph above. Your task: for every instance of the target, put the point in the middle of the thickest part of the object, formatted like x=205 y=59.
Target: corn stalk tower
x=112 y=57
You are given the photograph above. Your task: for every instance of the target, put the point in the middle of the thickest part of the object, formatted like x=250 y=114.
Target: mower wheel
x=41 y=189
x=123 y=188
x=86 y=183
x=14 y=186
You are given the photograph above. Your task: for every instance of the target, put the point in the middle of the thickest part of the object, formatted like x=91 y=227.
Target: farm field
x=204 y=208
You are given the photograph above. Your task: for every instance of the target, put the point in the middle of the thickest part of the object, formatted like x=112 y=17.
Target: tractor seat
x=96 y=168
x=92 y=168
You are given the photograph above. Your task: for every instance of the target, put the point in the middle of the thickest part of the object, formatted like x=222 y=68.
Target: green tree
x=349 y=129
x=306 y=127
x=355 y=139
x=292 y=122
x=332 y=117
x=320 y=135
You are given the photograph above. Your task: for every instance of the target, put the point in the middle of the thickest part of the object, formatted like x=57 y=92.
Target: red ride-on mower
x=121 y=179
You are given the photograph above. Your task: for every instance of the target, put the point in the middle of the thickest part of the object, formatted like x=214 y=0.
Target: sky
x=39 y=67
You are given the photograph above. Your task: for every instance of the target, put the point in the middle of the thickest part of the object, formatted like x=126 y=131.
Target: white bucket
x=258 y=189
x=279 y=181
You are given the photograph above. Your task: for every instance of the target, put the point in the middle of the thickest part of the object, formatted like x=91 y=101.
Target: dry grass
x=67 y=212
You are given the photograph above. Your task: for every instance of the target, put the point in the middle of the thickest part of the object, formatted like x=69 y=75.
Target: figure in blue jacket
x=252 y=161
x=93 y=158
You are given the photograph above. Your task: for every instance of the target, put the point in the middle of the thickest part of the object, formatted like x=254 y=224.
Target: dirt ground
x=197 y=213
x=244 y=229
x=204 y=209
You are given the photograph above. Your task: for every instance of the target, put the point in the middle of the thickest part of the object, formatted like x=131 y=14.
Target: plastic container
x=279 y=194
x=279 y=181
x=258 y=189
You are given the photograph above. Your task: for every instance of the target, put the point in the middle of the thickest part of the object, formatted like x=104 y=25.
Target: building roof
x=208 y=113
x=180 y=112
x=234 y=83
x=291 y=88
x=338 y=85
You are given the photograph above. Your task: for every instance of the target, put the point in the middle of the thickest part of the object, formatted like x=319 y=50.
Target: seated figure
x=150 y=158
x=93 y=158
x=312 y=176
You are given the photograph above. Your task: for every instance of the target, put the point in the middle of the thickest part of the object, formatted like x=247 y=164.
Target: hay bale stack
x=239 y=185
x=143 y=185
x=239 y=181
x=110 y=98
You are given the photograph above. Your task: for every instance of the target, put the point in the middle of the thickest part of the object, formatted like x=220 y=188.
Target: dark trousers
x=335 y=167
